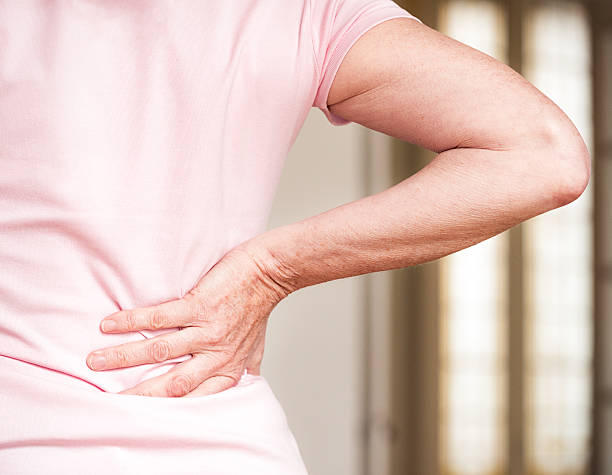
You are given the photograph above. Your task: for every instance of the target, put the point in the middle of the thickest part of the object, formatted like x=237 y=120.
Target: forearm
x=462 y=197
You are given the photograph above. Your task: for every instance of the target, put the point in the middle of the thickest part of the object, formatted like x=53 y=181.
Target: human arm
x=505 y=153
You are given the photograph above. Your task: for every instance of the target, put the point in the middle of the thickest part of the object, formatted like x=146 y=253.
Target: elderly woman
x=141 y=145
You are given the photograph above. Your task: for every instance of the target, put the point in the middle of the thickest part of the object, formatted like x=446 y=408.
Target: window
x=557 y=270
x=559 y=259
x=473 y=356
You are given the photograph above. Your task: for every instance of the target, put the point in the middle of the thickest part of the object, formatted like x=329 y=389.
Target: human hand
x=222 y=323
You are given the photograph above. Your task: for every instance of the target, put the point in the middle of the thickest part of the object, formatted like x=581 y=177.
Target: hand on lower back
x=222 y=323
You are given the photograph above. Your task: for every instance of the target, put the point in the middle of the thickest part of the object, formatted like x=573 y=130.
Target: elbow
x=569 y=160
x=574 y=172
x=574 y=182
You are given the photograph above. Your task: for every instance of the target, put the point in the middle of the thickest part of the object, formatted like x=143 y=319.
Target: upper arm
x=412 y=82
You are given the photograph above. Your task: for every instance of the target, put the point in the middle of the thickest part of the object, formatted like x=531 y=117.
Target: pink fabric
x=139 y=142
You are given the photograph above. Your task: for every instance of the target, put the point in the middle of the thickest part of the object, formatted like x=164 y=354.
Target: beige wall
x=315 y=358
x=314 y=336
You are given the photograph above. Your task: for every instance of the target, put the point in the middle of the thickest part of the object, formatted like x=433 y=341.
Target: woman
x=141 y=146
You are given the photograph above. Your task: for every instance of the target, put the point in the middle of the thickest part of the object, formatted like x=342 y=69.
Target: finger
x=214 y=385
x=171 y=314
x=181 y=379
x=152 y=350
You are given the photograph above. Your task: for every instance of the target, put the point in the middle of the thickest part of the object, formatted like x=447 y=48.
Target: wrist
x=266 y=252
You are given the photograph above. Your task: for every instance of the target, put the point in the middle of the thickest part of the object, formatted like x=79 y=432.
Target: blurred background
x=496 y=359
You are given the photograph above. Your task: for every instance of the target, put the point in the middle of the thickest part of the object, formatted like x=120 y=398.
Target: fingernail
x=109 y=325
x=97 y=361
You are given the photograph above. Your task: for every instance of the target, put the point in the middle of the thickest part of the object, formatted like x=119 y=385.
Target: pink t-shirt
x=139 y=142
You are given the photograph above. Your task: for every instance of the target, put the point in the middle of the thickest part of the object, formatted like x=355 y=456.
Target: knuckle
x=159 y=351
x=197 y=307
x=130 y=320
x=199 y=339
x=216 y=333
x=179 y=385
x=157 y=319
x=120 y=357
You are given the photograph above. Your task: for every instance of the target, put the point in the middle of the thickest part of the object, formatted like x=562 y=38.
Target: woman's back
x=140 y=142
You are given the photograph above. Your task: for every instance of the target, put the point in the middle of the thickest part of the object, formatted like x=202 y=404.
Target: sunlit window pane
x=559 y=256
x=473 y=304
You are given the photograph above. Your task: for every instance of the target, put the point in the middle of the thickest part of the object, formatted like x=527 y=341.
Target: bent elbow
x=574 y=173
x=573 y=185
x=571 y=160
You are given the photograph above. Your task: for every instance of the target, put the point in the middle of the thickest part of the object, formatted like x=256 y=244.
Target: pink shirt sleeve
x=336 y=25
